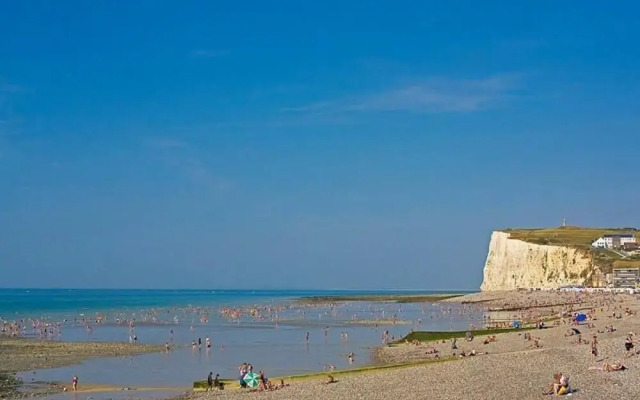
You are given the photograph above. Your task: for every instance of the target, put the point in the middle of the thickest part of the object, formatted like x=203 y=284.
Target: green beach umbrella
x=252 y=379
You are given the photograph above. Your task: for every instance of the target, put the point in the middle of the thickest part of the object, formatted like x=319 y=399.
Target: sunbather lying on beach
x=606 y=367
x=432 y=350
x=490 y=339
x=281 y=384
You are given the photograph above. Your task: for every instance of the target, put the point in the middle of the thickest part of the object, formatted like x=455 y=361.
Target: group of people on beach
x=214 y=382
x=41 y=329
x=264 y=384
x=560 y=386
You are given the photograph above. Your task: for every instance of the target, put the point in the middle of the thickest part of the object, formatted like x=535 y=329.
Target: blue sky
x=363 y=144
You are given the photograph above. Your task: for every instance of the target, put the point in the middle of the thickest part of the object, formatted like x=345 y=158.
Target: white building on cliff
x=613 y=241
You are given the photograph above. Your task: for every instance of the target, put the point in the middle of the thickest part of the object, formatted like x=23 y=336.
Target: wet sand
x=513 y=367
x=22 y=354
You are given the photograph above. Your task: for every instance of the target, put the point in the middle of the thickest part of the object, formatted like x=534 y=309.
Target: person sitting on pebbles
x=629 y=344
x=330 y=379
x=560 y=385
x=536 y=343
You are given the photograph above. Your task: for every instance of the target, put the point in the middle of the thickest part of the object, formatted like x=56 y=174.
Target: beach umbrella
x=581 y=317
x=251 y=379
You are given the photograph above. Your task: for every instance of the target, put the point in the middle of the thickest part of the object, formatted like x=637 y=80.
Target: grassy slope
x=577 y=237
x=566 y=236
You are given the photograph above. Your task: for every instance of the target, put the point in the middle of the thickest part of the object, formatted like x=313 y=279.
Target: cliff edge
x=513 y=263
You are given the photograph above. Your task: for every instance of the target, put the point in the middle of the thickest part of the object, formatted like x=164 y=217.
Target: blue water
x=273 y=340
x=34 y=302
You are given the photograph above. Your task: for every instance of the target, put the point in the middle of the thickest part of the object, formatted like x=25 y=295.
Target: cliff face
x=515 y=264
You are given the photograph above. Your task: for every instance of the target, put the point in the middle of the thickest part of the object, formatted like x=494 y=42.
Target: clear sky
x=299 y=144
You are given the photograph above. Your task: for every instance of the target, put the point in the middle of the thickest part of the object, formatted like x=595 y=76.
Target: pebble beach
x=510 y=367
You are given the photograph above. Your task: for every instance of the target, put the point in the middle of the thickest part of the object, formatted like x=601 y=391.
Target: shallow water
x=116 y=395
x=273 y=339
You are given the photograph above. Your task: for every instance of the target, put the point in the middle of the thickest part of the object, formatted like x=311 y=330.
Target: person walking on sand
x=74 y=383
x=210 y=381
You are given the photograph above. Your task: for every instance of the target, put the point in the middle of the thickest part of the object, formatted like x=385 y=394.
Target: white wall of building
x=600 y=242
x=607 y=242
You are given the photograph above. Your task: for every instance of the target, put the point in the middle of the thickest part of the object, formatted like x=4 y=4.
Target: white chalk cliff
x=513 y=264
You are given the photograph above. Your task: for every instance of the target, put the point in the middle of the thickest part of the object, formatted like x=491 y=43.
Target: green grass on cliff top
x=566 y=236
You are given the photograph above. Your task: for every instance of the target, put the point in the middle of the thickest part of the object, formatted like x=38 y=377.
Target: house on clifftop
x=613 y=241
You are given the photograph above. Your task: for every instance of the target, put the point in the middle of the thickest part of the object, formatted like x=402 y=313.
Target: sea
x=270 y=329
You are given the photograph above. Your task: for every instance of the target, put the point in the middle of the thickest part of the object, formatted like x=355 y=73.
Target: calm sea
x=36 y=302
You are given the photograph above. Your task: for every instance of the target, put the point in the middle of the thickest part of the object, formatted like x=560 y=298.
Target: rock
x=513 y=264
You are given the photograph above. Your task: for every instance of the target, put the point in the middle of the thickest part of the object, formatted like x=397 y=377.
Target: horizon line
x=239 y=289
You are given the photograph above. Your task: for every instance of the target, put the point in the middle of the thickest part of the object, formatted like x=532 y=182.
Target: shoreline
x=427 y=354
x=527 y=364
x=23 y=354
x=394 y=298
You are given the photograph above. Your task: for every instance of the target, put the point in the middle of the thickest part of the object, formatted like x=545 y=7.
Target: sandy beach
x=511 y=367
